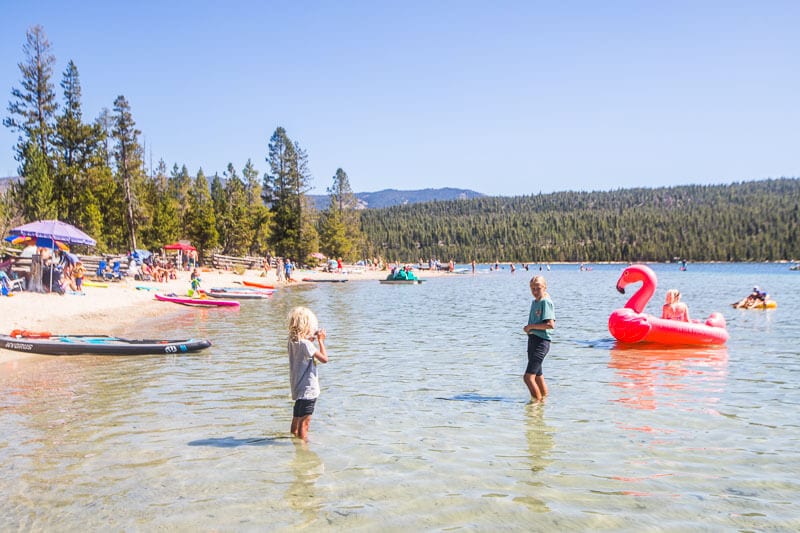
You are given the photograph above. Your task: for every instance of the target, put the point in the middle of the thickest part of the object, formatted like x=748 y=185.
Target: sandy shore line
x=115 y=309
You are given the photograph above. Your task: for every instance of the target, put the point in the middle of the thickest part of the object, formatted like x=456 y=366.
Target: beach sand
x=115 y=309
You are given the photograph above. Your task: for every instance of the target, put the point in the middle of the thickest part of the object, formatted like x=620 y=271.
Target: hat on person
x=755 y=288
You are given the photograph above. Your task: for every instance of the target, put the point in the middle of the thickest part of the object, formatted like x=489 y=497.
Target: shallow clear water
x=424 y=422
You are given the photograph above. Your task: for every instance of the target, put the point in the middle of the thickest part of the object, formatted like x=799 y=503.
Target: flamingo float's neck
x=639 y=300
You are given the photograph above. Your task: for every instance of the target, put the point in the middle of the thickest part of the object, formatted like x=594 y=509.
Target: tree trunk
x=35 y=281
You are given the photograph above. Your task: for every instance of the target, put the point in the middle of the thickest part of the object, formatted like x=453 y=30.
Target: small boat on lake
x=197 y=302
x=257 y=285
x=241 y=294
x=47 y=344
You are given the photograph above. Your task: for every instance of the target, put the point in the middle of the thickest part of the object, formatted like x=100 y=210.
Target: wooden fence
x=228 y=262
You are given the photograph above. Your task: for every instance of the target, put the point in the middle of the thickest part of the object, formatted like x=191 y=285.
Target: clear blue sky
x=505 y=99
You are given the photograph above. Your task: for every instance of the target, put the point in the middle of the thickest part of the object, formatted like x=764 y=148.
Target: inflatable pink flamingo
x=630 y=324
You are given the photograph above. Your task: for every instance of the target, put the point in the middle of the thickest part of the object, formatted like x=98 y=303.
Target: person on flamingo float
x=674 y=308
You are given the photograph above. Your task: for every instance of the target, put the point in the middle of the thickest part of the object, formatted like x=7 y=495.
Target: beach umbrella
x=55 y=230
x=41 y=242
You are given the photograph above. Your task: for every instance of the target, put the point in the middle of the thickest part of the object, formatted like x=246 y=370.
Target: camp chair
x=101 y=270
x=116 y=273
x=11 y=285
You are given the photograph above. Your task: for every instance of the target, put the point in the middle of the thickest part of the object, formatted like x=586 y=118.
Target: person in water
x=674 y=308
x=303 y=357
x=541 y=319
x=754 y=299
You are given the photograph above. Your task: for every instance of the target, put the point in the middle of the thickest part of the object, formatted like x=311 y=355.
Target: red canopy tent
x=182 y=246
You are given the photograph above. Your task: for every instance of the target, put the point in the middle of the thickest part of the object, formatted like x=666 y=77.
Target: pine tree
x=37 y=200
x=128 y=157
x=340 y=230
x=281 y=186
x=258 y=214
x=78 y=146
x=237 y=224
x=180 y=185
x=308 y=238
x=165 y=226
x=202 y=219
x=32 y=115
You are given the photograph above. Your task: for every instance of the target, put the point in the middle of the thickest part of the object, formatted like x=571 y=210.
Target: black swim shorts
x=537 y=350
x=304 y=408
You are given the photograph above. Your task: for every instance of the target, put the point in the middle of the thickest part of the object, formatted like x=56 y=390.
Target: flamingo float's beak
x=621 y=290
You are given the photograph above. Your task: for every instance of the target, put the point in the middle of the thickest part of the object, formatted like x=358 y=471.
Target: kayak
x=98 y=345
x=238 y=295
x=324 y=280
x=401 y=281
x=258 y=285
x=198 y=302
x=242 y=289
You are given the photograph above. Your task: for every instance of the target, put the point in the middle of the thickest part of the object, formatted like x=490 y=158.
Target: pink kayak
x=199 y=302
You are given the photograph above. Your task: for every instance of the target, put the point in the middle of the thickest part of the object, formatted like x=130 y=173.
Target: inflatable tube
x=769 y=304
x=630 y=324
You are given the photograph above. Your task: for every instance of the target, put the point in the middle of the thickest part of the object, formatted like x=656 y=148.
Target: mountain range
x=392 y=197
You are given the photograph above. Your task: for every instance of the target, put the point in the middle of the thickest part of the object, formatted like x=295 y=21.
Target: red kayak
x=259 y=285
x=198 y=302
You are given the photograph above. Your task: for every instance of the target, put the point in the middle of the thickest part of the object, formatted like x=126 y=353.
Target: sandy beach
x=114 y=309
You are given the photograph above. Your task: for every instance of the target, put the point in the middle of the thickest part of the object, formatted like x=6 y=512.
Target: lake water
x=424 y=422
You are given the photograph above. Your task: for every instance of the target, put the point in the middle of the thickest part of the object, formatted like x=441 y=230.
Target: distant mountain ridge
x=392 y=197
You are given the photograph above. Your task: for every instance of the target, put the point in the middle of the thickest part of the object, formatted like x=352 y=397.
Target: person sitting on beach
x=674 y=309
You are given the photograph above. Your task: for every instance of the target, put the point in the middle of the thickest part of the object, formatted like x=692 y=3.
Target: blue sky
x=505 y=99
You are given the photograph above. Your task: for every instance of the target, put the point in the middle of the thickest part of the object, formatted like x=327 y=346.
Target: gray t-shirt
x=302 y=371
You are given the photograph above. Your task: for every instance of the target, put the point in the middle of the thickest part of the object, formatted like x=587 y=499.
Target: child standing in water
x=541 y=320
x=303 y=357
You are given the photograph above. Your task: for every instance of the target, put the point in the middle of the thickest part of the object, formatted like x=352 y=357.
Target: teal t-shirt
x=540 y=312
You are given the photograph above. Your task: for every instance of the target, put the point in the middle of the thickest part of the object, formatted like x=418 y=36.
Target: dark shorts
x=537 y=350
x=304 y=408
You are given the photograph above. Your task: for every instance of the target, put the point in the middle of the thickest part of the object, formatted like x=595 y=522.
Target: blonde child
x=674 y=308
x=541 y=319
x=303 y=357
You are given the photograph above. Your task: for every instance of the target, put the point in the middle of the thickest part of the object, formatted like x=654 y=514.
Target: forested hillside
x=751 y=221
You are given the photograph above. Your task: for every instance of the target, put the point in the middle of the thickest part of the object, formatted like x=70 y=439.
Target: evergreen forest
x=749 y=221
